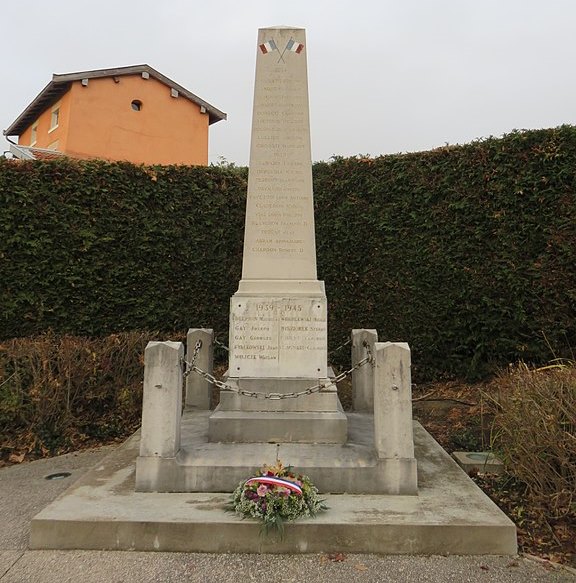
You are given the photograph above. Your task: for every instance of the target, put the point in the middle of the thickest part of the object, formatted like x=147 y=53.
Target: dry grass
x=59 y=392
x=535 y=431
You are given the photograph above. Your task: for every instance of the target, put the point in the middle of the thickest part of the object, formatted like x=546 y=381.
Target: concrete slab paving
x=449 y=515
x=24 y=491
x=7 y=560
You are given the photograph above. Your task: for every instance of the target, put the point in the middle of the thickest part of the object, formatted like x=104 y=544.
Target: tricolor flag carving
x=275 y=481
x=294 y=46
x=268 y=47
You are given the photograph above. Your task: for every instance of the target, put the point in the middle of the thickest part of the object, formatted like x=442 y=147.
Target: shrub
x=57 y=392
x=535 y=430
x=467 y=253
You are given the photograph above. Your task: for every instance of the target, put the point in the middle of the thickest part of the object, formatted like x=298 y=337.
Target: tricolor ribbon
x=275 y=481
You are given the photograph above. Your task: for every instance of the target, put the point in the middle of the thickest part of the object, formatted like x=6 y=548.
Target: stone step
x=450 y=515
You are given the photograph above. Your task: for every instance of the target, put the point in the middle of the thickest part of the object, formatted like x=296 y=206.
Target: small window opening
x=34 y=134
x=55 y=118
x=136 y=105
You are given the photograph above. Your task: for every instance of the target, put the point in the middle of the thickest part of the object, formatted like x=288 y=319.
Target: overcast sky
x=385 y=76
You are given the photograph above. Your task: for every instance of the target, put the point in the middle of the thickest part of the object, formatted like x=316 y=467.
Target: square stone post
x=363 y=377
x=393 y=433
x=162 y=399
x=198 y=389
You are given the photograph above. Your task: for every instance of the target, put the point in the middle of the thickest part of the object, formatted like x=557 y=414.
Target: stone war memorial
x=389 y=487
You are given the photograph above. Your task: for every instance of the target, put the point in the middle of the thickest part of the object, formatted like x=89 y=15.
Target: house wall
x=167 y=130
x=98 y=121
x=45 y=137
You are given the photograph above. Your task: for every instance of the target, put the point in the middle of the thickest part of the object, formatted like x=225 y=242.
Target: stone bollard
x=393 y=435
x=198 y=389
x=162 y=399
x=363 y=377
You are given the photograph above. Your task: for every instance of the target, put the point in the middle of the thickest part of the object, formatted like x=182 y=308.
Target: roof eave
x=61 y=83
x=214 y=113
x=49 y=95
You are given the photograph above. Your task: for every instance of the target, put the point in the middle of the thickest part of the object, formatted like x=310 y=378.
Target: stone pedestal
x=162 y=400
x=393 y=433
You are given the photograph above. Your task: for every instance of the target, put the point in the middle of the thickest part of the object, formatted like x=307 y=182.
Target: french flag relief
x=294 y=47
x=268 y=46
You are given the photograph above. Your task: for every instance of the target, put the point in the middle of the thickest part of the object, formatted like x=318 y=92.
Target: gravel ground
x=131 y=567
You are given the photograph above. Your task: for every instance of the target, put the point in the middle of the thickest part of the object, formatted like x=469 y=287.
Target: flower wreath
x=276 y=496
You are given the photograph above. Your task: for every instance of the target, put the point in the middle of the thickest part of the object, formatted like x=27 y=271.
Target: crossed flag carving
x=292 y=46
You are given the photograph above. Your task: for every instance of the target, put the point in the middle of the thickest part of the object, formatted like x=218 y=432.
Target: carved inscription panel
x=279 y=240
x=278 y=337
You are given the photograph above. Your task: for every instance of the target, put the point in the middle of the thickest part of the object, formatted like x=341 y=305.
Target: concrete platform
x=450 y=515
x=351 y=467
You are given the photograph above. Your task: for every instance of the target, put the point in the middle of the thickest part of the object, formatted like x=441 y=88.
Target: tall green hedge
x=468 y=252
x=93 y=247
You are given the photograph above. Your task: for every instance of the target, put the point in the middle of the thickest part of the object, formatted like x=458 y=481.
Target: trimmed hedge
x=92 y=248
x=468 y=252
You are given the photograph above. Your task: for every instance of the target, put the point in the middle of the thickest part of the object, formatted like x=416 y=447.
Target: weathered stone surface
x=198 y=389
x=273 y=337
x=323 y=400
x=278 y=426
x=162 y=399
x=450 y=515
x=279 y=241
x=363 y=377
x=483 y=462
x=278 y=316
x=393 y=437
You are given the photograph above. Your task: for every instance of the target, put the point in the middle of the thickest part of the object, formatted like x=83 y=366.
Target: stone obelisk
x=278 y=316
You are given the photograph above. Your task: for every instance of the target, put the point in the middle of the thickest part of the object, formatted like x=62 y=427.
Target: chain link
x=190 y=367
x=221 y=344
x=340 y=347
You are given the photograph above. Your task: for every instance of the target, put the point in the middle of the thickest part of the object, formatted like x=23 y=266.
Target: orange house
x=129 y=113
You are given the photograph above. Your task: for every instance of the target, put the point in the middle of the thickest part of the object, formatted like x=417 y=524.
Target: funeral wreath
x=277 y=495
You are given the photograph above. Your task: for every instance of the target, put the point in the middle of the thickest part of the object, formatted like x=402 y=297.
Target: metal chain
x=221 y=344
x=340 y=347
x=191 y=367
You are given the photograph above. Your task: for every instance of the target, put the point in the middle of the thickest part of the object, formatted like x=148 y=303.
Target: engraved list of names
x=279 y=236
x=278 y=337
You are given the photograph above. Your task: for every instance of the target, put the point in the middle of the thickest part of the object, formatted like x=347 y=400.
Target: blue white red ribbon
x=275 y=481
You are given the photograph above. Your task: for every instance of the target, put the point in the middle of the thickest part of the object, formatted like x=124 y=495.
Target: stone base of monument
x=314 y=418
x=450 y=514
x=276 y=426
x=211 y=452
x=202 y=466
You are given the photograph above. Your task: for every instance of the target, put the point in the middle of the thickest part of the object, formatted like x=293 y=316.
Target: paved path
x=24 y=491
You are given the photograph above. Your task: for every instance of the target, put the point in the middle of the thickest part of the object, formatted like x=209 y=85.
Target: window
x=53 y=146
x=34 y=134
x=55 y=118
x=136 y=105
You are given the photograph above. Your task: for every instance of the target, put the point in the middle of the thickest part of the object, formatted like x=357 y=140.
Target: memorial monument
x=278 y=316
x=278 y=399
